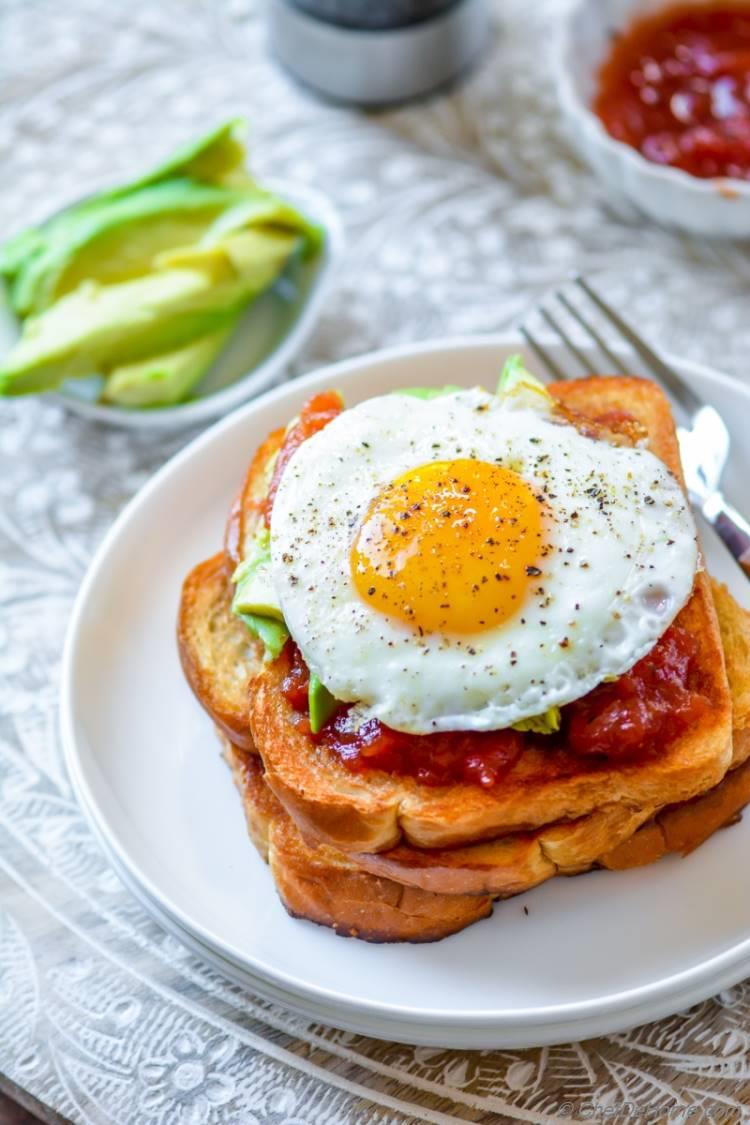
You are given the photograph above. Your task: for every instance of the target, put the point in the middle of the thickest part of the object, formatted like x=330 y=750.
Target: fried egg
x=467 y=562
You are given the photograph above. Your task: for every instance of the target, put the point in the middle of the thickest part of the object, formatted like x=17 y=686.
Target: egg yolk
x=452 y=546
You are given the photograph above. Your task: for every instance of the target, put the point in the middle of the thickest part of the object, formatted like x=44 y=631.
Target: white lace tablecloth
x=460 y=212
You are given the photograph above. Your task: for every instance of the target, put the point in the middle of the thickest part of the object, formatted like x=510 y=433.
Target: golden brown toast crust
x=218 y=655
x=640 y=398
x=682 y=828
x=373 y=812
x=511 y=864
x=323 y=886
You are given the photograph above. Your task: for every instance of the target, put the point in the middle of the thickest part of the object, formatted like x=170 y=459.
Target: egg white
x=622 y=566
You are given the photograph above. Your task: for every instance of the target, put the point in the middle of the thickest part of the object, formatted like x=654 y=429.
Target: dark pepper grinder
x=377 y=52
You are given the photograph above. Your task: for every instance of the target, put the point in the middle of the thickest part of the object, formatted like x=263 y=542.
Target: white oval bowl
x=717 y=208
x=270 y=335
x=144 y=761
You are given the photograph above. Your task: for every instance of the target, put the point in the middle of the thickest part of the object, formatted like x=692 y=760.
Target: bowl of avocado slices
x=169 y=300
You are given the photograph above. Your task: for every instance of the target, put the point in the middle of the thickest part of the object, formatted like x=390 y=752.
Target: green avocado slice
x=211 y=158
x=263 y=209
x=125 y=239
x=273 y=635
x=321 y=704
x=18 y=249
x=166 y=379
x=516 y=379
x=98 y=328
x=214 y=158
x=255 y=601
x=548 y=723
x=116 y=235
x=117 y=242
x=254 y=589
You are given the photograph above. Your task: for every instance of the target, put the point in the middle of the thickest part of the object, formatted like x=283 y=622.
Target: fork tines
x=592 y=338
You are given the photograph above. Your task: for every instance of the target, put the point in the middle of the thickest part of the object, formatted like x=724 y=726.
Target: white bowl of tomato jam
x=656 y=97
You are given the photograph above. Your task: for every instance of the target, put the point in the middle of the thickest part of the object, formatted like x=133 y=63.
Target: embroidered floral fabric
x=460 y=213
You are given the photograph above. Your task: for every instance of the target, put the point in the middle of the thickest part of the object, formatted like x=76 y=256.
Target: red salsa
x=653 y=703
x=433 y=759
x=676 y=87
x=631 y=719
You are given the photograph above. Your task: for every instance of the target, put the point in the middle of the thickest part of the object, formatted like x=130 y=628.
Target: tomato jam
x=631 y=719
x=314 y=416
x=433 y=759
x=653 y=703
x=676 y=87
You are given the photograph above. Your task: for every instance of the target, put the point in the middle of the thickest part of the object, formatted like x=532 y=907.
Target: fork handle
x=732 y=528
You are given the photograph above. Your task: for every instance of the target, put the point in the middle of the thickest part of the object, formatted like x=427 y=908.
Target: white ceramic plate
x=269 y=336
x=593 y=954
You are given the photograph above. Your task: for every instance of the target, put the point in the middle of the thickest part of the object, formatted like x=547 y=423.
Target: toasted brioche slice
x=323 y=886
x=683 y=828
x=374 y=811
x=219 y=657
x=511 y=864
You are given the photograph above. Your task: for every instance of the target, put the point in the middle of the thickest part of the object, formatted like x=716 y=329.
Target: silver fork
x=703 y=436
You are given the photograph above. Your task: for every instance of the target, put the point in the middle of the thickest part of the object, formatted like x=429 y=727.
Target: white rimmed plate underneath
x=592 y=955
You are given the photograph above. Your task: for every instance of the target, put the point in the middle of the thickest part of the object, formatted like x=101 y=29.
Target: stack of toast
x=382 y=856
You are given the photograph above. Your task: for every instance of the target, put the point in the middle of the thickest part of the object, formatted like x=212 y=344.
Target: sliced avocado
x=137 y=285
x=263 y=209
x=548 y=723
x=427 y=393
x=255 y=600
x=101 y=327
x=272 y=634
x=115 y=236
x=242 y=250
x=117 y=242
x=257 y=595
x=165 y=379
x=126 y=239
x=254 y=590
x=213 y=159
x=18 y=249
x=321 y=704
